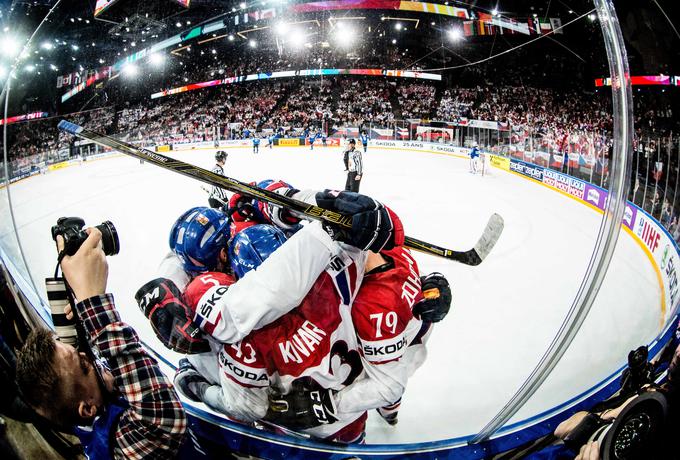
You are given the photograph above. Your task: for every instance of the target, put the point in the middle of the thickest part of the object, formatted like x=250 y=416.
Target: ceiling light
x=156 y=59
x=252 y=43
x=10 y=46
x=455 y=35
x=130 y=70
x=282 y=28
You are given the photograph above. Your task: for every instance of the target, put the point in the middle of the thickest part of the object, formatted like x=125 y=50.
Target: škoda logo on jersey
x=384 y=350
x=208 y=313
x=242 y=373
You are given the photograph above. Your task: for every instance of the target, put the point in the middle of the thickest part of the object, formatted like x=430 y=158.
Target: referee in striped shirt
x=355 y=167
x=218 y=196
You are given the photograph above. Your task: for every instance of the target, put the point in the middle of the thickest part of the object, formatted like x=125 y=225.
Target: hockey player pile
x=294 y=326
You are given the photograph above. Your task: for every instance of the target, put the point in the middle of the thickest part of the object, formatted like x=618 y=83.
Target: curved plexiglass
x=579 y=159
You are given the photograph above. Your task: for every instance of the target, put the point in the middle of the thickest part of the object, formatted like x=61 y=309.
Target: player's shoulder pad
x=203 y=295
x=202 y=283
x=243 y=364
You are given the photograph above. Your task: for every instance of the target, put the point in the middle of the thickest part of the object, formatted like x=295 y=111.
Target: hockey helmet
x=352 y=141
x=251 y=246
x=221 y=155
x=197 y=238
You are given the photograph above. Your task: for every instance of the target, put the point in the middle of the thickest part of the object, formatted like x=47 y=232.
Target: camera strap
x=99 y=363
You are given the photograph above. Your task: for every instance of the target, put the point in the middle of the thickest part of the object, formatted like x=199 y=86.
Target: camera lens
x=110 y=242
x=58 y=300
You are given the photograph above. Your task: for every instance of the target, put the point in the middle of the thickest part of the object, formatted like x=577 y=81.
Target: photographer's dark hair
x=40 y=384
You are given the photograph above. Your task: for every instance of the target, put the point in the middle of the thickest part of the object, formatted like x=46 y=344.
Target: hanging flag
x=658 y=170
x=556 y=23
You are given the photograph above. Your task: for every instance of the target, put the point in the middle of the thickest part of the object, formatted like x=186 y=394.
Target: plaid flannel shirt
x=154 y=424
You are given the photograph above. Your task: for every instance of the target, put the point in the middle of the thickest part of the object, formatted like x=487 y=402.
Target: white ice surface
x=505 y=312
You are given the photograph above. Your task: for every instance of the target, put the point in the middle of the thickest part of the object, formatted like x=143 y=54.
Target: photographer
x=119 y=405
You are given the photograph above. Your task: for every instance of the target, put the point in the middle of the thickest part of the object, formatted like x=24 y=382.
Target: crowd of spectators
x=364 y=101
x=416 y=100
x=306 y=105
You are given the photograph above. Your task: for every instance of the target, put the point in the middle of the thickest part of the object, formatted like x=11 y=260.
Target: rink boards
x=656 y=258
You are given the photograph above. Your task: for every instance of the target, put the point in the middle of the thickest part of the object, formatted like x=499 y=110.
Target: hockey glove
x=190 y=382
x=374 y=226
x=171 y=319
x=437 y=302
x=307 y=405
x=241 y=208
x=281 y=217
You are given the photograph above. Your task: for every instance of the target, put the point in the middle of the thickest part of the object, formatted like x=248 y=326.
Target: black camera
x=639 y=372
x=71 y=229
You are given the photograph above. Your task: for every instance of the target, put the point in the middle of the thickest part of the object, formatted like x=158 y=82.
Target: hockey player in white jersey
x=389 y=295
x=378 y=341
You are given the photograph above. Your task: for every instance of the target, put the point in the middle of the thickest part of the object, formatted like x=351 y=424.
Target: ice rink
x=505 y=312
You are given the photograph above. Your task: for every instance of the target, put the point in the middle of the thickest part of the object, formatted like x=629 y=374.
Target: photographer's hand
x=590 y=451
x=87 y=270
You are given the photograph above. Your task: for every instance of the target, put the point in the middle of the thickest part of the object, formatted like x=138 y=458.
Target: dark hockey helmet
x=221 y=155
x=352 y=141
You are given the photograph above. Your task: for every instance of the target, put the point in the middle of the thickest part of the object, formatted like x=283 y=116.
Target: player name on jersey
x=302 y=343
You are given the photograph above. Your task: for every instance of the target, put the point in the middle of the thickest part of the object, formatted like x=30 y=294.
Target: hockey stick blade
x=472 y=257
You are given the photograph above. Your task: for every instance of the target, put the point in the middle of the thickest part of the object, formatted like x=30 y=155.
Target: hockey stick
x=473 y=256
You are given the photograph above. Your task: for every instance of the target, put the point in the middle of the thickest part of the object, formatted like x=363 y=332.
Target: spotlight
x=75 y=47
x=243 y=5
x=592 y=17
x=252 y=43
x=178 y=24
x=231 y=38
x=494 y=12
x=394 y=41
x=344 y=36
x=156 y=59
x=398 y=26
x=297 y=39
x=130 y=70
x=282 y=28
x=10 y=46
x=30 y=68
x=455 y=35
x=47 y=45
